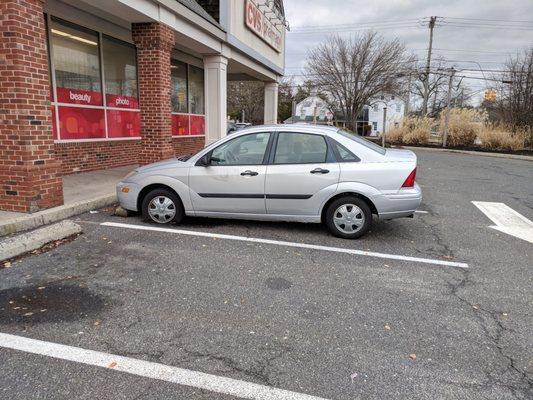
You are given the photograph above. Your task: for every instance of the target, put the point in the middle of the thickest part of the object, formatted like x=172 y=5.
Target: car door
x=234 y=179
x=302 y=173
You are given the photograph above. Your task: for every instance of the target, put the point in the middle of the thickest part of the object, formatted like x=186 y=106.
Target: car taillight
x=410 y=181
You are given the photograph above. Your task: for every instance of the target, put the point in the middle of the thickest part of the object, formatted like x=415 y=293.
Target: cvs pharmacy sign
x=257 y=22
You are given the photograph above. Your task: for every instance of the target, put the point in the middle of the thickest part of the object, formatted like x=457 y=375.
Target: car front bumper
x=127 y=195
x=398 y=205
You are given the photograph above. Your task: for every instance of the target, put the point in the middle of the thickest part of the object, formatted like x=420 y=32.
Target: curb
x=54 y=214
x=33 y=240
x=476 y=153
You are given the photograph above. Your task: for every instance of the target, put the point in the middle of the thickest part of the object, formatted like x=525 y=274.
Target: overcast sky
x=463 y=45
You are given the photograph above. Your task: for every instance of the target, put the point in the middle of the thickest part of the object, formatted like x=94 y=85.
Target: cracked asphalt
x=333 y=325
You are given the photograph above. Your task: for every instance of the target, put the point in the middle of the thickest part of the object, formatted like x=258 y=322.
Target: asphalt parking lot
x=305 y=320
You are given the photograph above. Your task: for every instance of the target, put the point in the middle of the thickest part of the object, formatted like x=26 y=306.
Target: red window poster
x=119 y=101
x=81 y=123
x=123 y=123
x=180 y=124
x=197 y=125
x=78 y=96
x=54 y=125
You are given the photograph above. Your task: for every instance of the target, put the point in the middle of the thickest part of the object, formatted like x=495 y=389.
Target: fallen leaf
x=475 y=307
x=41 y=287
x=7 y=264
x=412 y=356
x=28 y=314
x=353 y=376
x=112 y=365
x=96 y=323
x=43 y=310
x=387 y=327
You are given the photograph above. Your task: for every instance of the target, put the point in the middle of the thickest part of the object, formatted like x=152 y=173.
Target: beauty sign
x=257 y=22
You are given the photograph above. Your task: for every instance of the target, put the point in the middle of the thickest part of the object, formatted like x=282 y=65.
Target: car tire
x=162 y=206
x=348 y=217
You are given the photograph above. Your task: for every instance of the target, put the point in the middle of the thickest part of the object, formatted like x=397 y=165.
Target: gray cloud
x=488 y=47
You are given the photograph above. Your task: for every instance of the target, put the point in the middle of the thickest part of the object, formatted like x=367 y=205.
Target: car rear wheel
x=348 y=217
x=162 y=206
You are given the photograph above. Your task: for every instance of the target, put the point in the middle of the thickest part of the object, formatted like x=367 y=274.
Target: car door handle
x=249 y=173
x=320 y=171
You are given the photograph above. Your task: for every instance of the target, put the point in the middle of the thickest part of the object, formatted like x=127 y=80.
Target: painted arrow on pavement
x=507 y=220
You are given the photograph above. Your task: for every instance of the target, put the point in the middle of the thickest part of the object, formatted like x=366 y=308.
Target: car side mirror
x=204 y=161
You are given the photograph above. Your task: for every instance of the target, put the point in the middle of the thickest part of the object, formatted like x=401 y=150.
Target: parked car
x=242 y=125
x=300 y=173
x=231 y=127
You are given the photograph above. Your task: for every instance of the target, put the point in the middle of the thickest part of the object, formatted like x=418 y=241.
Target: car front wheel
x=348 y=217
x=162 y=206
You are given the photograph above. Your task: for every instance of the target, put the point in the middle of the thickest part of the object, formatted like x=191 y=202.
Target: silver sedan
x=298 y=173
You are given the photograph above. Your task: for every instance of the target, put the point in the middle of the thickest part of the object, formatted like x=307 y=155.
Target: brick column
x=30 y=177
x=154 y=43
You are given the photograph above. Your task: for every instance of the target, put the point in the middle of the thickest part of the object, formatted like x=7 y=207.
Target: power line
x=491 y=20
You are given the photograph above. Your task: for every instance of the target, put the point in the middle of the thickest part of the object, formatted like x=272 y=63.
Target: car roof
x=294 y=128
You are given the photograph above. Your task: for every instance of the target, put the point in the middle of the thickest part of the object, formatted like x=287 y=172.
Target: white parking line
x=147 y=369
x=507 y=220
x=288 y=244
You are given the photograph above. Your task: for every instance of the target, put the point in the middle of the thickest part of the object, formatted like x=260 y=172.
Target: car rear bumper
x=398 y=205
x=127 y=194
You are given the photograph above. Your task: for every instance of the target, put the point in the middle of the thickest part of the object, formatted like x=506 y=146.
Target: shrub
x=413 y=130
x=502 y=137
x=464 y=126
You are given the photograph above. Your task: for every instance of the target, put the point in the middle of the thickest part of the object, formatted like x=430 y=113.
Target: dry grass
x=502 y=137
x=464 y=126
x=414 y=130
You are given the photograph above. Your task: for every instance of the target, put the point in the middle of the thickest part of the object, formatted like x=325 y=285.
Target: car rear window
x=365 y=142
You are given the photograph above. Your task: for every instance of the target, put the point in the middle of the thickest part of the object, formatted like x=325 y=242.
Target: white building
x=395 y=113
x=311 y=108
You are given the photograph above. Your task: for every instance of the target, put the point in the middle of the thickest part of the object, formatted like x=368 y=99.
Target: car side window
x=300 y=148
x=343 y=154
x=243 y=150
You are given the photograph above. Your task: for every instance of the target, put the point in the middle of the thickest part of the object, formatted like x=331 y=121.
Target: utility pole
x=448 y=101
x=407 y=104
x=432 y=21
x=384 y=126
x=293 y=111
x=242 y=116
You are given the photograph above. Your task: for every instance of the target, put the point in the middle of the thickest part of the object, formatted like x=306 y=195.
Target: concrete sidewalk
x=82 y=192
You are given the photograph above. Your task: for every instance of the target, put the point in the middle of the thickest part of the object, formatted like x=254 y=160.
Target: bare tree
x=438 y=89
x=248 y=96
x=516 y=90
x=352 y=71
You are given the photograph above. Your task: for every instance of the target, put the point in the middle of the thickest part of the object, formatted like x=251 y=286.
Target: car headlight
x=134 y=172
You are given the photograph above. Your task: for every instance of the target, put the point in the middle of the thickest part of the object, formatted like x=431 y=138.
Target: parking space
x=286 y=306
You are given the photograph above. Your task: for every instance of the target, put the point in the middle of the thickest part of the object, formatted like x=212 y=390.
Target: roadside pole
x=448 y=101
x=293 y=111
x=384 y=126
x=432 y=21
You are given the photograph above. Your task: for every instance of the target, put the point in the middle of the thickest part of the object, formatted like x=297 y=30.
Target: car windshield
x=365 y=142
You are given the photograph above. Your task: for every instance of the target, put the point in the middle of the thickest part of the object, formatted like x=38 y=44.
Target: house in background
x=395 y=113
x=311 y=108
x=370 y=122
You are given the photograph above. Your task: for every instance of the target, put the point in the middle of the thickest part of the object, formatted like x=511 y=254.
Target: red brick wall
x=90 y=156
x=29 y=172
x=154 y=43
x=188 y=145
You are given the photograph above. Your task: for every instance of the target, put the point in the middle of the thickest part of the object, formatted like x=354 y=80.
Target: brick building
x=95 y=84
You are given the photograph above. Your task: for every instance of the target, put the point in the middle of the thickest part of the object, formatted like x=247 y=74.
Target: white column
x=271 y=102
x=215 y=76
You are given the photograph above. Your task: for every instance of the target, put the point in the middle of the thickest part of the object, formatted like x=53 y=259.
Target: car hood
x=400 y=155
x=170 y=163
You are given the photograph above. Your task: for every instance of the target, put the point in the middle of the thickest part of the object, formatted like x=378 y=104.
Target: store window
x=80 y=109
x=187 y=99
x=179 y=87
x=196 y=90
x=122 y=101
